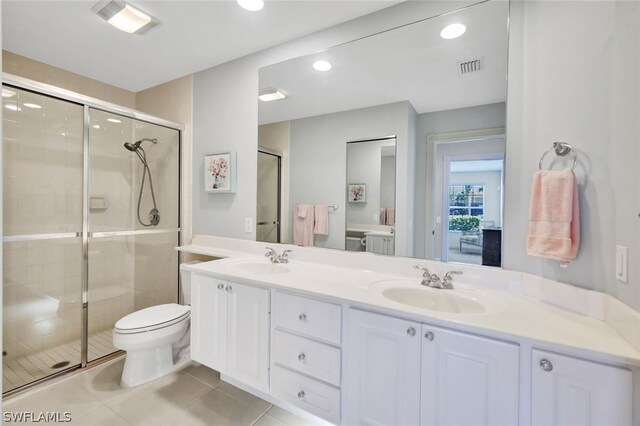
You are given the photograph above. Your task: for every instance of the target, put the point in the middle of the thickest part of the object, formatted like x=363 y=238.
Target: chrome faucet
x=434 y=281
x=275 y=258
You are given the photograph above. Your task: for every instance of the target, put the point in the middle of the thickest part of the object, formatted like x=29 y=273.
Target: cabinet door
x=568 y=391
x=248 y=335
x=382 y=372
x=209 y=322
x=375 y=244
x=467 y=379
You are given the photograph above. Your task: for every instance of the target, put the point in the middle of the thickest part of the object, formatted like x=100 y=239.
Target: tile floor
x=20 y=371
x=193 y=396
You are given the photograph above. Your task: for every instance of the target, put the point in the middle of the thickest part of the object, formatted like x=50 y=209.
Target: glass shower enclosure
x=90 y=226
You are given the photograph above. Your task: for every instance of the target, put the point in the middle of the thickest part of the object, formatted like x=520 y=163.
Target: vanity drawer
x=307 y=316
x=315 y=397
x=307 y=356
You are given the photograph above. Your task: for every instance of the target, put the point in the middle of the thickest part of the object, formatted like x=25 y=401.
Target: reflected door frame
x=436 y=177
x=446 y=169
x=278 y=223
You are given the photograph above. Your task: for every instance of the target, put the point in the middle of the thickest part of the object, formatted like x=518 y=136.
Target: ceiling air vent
x=470 y=66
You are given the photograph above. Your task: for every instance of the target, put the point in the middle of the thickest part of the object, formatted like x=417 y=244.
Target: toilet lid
x=154 y=317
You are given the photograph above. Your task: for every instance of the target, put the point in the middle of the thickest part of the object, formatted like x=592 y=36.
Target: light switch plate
x=248 y=225
x=622 y=264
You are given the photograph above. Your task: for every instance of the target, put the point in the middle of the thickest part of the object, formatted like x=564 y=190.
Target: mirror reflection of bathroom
x=468 y=199
x=371 y=196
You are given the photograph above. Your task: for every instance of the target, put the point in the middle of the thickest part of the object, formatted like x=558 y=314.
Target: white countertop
x=516 y=317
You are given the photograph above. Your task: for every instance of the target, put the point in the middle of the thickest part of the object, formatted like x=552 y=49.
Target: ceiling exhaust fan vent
x=470 y=66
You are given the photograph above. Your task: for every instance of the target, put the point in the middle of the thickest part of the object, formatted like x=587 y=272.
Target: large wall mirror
x=394 y=143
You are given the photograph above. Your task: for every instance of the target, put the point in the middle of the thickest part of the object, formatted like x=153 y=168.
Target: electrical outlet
x=248 y=225
x=622 y=264
x=376 y=218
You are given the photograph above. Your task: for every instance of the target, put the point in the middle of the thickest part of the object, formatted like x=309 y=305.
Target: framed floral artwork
x=357 y=193
x=220 y=172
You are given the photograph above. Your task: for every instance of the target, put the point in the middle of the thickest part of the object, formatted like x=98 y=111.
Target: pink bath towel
x=391 y=217
x=554 y=216
x=321 y=213
x=303 y=219
x=383 y=217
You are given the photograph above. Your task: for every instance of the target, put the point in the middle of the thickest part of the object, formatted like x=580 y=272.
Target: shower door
x=133 y=263
x=42 y=217
x=269 y=182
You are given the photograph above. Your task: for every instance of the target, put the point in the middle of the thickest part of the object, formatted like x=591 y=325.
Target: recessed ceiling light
x=271 y=94
x=321 y=65
x=96 y=126
x=30 y=105
x=125 y=17
x=6 y=93
x=113 y=120
x=251 y=5
x=12 y=107
x=453 y=31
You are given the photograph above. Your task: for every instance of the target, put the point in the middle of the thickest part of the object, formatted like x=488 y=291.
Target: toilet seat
x=153 y=318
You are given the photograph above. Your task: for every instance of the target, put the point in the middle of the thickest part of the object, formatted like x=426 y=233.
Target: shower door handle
x=268 y=223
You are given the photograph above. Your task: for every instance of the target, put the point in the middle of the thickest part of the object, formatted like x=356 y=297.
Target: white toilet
x=156 y=339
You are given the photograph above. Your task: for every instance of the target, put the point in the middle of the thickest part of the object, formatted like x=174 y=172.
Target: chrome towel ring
x=561 y=149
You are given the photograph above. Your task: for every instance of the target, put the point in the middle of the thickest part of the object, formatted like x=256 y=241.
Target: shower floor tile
x=20 y=371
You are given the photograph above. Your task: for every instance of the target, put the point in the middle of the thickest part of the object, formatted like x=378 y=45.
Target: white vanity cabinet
x=380 y=244
x=571 y=391
x=468 y=379
x=230 y=329
x=306 y=354
x=382 y=370
x=403 y=372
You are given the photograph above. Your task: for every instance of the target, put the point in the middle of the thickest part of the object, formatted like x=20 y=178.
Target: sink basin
x=435 y=300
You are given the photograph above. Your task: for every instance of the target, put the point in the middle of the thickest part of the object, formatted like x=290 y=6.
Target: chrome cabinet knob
x=411 y=331
x=429 y=336
x=229 y=288
x=302 y=317
x=220 y=286
x=301 y=357
x=546 y=365
x=301 y=394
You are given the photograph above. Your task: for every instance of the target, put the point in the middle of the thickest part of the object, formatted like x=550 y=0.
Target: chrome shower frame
x=92 y=103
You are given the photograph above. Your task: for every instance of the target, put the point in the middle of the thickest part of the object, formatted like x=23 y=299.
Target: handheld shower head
x=133 y=147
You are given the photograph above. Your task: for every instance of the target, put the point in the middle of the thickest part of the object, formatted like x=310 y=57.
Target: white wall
x=456 y=120
x=318 y=163
x=574 y=76
x=226 y=112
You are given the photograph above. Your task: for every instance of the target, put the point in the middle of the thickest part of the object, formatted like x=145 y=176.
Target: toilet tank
x=185 y=282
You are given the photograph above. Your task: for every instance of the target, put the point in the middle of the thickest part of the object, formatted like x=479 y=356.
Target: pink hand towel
x=321 y=226
x=303 y=219
x=383 y=217
x=554 y=216
x=391 y=217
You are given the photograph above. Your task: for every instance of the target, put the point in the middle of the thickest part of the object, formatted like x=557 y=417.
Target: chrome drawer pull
x=220 y=286
x=301 y=357
x=411 y=331
x=229 y=288
x=428 y=335
x=302 y=317
x=301 y=394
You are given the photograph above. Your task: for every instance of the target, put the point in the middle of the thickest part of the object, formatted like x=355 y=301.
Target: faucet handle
x=448 y=279
x=426 y=272
x=285 y=256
